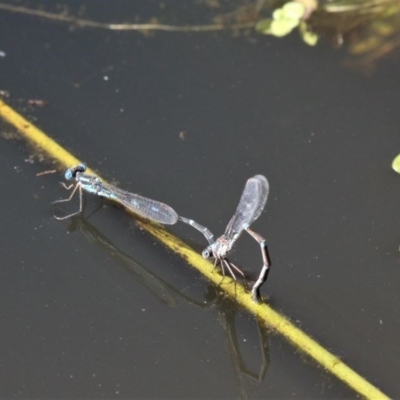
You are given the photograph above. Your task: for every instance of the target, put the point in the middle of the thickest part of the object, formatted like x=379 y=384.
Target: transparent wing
x=250 y=206
x=147 y=208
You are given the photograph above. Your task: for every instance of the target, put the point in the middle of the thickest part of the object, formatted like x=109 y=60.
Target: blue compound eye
x=68 y=174
x=81 y=168
x=206 y=253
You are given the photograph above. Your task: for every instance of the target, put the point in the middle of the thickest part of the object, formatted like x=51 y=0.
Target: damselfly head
x=70 y=173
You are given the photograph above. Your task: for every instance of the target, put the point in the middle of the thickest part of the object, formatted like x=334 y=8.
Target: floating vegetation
x=396 y=164
x=288 y=17
x=370 y=29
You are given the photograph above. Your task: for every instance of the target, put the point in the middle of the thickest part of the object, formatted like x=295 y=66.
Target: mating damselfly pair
x=250 y=207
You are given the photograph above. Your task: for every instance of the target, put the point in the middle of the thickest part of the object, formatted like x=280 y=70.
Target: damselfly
x=147 y=208
x=250 y=207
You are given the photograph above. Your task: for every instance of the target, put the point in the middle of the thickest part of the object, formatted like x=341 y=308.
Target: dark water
x=97 y=309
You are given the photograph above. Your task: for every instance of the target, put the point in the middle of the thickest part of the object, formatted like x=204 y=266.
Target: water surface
x=96 y=308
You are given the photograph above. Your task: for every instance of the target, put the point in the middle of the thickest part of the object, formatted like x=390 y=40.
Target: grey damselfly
x=250 y=207
x=147 y=208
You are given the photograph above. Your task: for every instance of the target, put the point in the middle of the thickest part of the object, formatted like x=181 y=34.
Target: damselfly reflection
x=250 y=207
x=141 y=274
x=147 y=208
x=242 y=353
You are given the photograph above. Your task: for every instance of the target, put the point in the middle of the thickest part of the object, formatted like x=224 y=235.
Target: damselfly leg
x=79 y=188
x=262 y=278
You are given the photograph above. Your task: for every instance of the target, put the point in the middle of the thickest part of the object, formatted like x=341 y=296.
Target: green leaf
x=396 y=164
x=293 y=10
x=310 y=38
x=281 y=28
x=278 y=14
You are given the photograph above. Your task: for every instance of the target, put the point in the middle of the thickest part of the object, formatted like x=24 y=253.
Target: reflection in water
x=169 y=295
x=227 y=311
x=154 y=284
